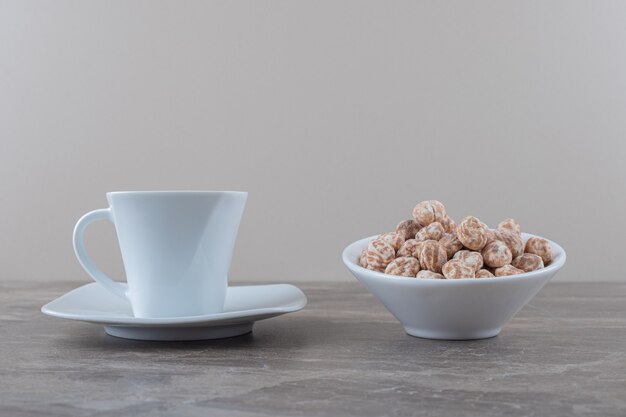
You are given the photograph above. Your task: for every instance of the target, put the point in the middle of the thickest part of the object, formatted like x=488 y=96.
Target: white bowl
x=452 y=309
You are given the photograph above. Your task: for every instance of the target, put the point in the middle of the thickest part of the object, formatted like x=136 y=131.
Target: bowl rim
x=556 y=264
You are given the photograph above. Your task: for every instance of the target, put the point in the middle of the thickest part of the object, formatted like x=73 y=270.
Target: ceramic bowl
x=452 y=309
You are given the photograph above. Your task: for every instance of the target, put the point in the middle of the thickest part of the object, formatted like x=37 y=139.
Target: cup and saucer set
x=176 y=247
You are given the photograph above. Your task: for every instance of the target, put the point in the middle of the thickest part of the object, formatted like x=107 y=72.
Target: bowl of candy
x=444 y=280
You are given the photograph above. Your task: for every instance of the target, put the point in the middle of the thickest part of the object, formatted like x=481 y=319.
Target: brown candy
x=473 y=233
x=457 y=269
x=393 y=238
x=433 y=231
x=424 y=245
x=408 y=228
x=484 y=273
x=410 y=248
x=473 y=259
x=452 y=243
x=512 y=240
x=510 y=224
x=496 y=254
x=363 y=258
x=492 y=235
x=432 y=255
x=528 y=262
x=448 y=224
x=426 y=274
x=404 y=266
x=429 y=211
x=507 y=270
x=379 y=254
x=541 y=247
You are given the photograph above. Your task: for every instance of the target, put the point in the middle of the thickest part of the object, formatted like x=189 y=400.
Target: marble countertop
x=564 y=354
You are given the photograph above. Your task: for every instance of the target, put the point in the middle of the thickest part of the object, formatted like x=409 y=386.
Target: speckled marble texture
x=344 y=355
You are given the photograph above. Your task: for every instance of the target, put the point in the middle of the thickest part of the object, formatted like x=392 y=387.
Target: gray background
x=336 y=116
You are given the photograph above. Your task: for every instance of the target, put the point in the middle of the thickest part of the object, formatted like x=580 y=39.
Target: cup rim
x=176 y=192
x=555 y=265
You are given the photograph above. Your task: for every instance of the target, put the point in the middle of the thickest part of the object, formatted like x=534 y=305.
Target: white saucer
x=243 y=306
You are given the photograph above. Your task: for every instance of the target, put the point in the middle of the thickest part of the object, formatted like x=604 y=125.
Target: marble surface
x=344 y=355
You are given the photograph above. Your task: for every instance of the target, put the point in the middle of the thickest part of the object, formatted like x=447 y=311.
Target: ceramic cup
x=176 y=247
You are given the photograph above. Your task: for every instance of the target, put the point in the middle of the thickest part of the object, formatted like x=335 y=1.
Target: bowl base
x=439 y=335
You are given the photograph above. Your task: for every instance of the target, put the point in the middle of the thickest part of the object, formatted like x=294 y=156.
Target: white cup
x=176 y=247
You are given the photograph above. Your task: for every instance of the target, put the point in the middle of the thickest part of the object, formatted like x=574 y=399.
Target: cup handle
x=84 y=259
